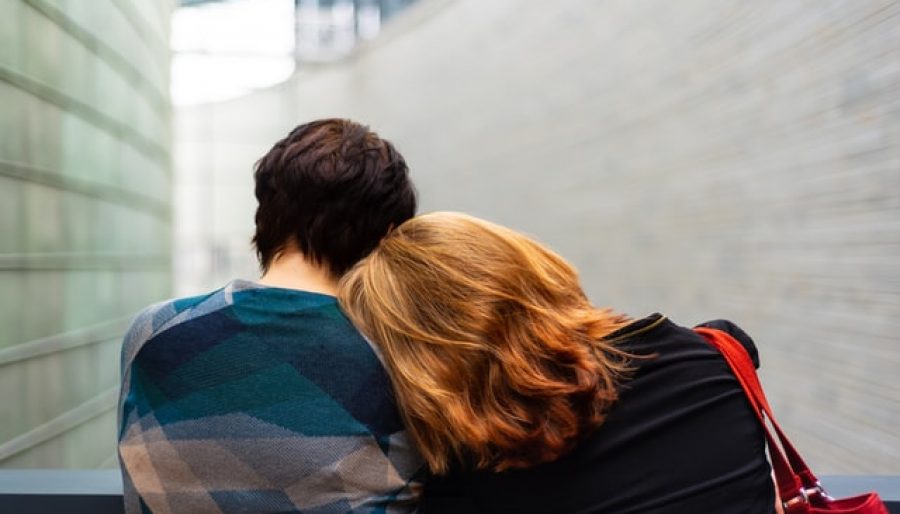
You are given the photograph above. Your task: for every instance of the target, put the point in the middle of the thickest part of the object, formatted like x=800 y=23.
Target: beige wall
x=85 y=217
x=706 y=158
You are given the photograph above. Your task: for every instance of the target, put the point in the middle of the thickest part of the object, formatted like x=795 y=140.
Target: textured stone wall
x=85 y=221
x=703 y=158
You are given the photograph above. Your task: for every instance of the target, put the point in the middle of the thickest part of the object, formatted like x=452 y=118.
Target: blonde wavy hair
x=496 y=356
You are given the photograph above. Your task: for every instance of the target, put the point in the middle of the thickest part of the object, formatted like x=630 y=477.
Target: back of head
x=496 y=354
x=333 y=189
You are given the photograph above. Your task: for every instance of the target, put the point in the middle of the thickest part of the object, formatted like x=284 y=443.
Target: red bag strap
x=795 y=481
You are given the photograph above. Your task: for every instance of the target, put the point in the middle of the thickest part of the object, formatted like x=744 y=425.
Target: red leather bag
x=798 y=488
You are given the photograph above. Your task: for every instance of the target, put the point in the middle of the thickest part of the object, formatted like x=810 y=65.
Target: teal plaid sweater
x=257 y=399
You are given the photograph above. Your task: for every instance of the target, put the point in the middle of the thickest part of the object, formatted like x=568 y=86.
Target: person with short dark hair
x=261 y=396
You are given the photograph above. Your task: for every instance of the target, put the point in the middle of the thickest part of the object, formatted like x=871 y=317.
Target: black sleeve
x=735 y=331
x=446 y=495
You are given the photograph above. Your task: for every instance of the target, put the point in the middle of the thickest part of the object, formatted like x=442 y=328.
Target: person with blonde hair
x=523 y=397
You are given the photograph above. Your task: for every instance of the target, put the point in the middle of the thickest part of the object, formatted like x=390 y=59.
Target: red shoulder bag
x=798 y=488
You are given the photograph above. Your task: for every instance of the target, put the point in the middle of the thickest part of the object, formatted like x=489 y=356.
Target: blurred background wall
x=703 y=158
x=85 y=215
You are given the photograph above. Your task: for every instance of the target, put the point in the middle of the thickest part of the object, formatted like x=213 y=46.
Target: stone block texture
x=702 y=158
x=85 y=215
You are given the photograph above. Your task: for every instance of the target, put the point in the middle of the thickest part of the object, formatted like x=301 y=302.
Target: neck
x=292 y=270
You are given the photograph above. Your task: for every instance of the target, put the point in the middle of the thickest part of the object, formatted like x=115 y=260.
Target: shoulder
x=159 y=317
x=656 y=333
x=736 y=332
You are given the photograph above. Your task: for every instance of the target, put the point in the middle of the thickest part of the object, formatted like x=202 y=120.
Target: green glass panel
x=11 y=215
x=11 y=312
x=10 y=35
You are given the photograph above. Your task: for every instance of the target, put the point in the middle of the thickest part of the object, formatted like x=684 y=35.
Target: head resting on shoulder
x=495 y=353
x=331 y=189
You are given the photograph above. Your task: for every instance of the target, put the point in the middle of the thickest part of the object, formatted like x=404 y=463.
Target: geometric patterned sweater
x=260 y=400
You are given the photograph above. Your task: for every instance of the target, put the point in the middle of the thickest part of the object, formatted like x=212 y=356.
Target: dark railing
x=54 y=491
x=100 y=491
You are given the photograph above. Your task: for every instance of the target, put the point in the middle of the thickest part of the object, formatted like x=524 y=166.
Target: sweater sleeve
x=737 y=333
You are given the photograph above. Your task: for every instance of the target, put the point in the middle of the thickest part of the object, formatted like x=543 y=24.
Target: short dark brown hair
x=333 y=188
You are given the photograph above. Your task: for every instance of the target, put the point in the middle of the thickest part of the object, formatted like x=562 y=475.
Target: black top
x=681 y=439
